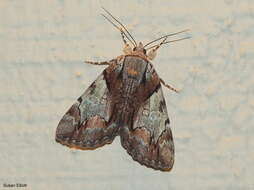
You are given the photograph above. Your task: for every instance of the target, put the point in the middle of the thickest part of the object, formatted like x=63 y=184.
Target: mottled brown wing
x=149 y=141
x=86 y=124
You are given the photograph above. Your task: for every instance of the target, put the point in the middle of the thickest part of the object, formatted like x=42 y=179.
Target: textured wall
x=43 y=46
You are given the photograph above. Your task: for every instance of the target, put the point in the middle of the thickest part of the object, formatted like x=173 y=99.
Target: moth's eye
x=144 y=51
x=135 y=48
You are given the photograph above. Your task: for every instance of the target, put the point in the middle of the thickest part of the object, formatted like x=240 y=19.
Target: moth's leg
x=168 y=86
x=101 y=63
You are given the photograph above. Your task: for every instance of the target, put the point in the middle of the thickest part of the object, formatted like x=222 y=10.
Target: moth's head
x=136 y=50
x=139 y=50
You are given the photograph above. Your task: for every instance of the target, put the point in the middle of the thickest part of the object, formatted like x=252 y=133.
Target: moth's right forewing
x=149 y=139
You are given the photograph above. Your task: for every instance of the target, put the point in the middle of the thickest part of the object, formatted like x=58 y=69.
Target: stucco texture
x=43 y=47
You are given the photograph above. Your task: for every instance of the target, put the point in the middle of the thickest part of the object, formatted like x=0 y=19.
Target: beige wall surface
x=42 y=48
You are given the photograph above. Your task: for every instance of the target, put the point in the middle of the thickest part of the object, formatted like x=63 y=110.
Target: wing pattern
x=86 y=124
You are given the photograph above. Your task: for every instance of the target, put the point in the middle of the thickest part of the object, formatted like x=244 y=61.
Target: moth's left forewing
x=149 y=141
x=86 y=124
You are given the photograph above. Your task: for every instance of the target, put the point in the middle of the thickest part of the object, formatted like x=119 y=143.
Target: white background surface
x=42 y=48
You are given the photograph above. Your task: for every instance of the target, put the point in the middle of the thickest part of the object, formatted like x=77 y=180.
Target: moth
x=126 y=100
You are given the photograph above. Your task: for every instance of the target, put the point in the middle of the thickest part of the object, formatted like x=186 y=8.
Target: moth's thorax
x=130 y=81
x=134 y=67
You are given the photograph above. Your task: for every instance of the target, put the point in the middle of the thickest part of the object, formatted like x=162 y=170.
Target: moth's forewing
x=86 y=124
x=149 y=140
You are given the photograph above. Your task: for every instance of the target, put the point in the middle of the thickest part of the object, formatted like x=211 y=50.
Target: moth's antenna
x=169 y=42
x=122 y=32
x=121 y=25
x=165 y=36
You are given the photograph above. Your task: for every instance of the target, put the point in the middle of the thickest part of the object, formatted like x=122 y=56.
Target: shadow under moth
x=125 y=100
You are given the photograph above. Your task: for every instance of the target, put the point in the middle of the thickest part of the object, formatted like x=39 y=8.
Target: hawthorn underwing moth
x=125 y=100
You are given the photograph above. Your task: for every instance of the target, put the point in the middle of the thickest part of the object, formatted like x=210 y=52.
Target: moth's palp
x=121 y=25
